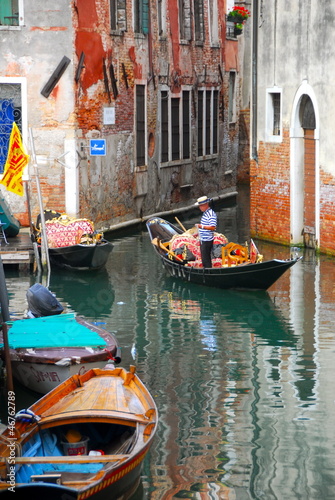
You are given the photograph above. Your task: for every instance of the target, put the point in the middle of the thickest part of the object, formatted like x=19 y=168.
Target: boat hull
x=42 y=377
x=81 y=257
x=41 y=369
x=120 y=482
x=115 y=413
x=251 y=276
x=11 y=224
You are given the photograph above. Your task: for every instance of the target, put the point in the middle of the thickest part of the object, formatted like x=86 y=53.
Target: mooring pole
x=5 y=317
x=44 y=240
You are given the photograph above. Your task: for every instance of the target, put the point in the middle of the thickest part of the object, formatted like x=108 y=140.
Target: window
x=186 y=124
x=276 y=114
x=10 y=110
x=118 y=18
x=161 y=13
x=214 y=22
x=164 y=126
x=141 y=16
x=175 y=126
x=232 y=97
x=273 y=115
x=208 y=108
x=199 y=20
x=185 y=20
x=140 y=125
x=9 y=12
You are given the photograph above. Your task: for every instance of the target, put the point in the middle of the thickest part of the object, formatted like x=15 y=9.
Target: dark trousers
x=206 y=249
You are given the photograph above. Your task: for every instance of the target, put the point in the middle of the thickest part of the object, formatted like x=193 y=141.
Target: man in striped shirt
x=206 y=228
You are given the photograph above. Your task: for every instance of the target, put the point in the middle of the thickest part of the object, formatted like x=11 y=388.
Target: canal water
x=243 y=381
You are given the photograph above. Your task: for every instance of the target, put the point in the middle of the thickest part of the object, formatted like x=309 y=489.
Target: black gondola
x=247 y=275
x=85 y=251
x=81 y=257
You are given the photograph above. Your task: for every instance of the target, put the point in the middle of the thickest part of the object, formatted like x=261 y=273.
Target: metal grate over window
x=10 y=110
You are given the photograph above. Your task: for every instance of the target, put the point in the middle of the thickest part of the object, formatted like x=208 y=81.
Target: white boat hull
x=43 y=378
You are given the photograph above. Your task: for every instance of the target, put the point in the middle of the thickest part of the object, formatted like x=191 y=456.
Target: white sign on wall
x=109 y=116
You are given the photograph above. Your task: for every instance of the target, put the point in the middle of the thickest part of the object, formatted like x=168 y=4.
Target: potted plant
x=238 y=14
x=238 y=30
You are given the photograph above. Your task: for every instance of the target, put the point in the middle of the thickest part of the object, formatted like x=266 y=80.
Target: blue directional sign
x=98 y=147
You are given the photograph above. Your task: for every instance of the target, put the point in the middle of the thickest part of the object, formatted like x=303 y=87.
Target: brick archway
x=304 y=171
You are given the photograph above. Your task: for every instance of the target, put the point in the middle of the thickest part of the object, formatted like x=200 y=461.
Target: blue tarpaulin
x=51 y=331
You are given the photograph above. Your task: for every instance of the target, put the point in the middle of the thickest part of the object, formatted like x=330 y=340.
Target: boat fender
x=27 y=415
x=116 y=358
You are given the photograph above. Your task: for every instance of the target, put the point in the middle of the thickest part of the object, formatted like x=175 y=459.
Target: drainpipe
x=254 y=18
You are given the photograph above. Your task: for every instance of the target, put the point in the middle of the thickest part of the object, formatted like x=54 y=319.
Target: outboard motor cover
x=41 y=302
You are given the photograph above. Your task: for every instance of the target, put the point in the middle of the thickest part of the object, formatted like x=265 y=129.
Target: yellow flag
x=17 y=159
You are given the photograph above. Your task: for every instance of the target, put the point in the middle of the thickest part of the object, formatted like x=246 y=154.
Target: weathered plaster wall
x=119 y=190
x=295 y=48
x=33 y=52
x=112 y=188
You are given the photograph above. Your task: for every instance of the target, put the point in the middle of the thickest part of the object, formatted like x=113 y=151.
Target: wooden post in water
x=44 y=240
x=5 y=317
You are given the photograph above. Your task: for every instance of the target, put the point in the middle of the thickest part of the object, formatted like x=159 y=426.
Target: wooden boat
x=236 y=266
x=45 y=351
x=115 y=419
x=73 y=243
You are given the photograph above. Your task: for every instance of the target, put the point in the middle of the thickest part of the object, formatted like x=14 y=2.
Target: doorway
x=304 y=173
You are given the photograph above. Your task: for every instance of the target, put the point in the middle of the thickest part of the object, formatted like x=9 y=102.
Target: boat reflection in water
x=86 y=293
x=254 y=311
x=220 y=348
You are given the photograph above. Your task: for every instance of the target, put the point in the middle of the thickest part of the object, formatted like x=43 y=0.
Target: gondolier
x=206 y=228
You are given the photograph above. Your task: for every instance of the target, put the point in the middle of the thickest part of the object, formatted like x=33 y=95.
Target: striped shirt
x=209 y=218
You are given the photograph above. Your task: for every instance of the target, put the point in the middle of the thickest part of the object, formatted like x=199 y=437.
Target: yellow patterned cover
x=66 y=231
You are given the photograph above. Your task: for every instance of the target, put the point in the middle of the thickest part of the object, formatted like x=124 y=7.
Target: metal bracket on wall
x=125 y=75
x=80 y=67
x=113 y=80
x=106 y=80
x=55 y=77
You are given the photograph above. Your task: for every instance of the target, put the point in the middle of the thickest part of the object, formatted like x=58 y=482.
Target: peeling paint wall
x=112 y=188
x=32 y=52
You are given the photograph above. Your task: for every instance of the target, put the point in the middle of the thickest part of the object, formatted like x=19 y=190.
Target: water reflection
x=243 y=380
x=90 y=294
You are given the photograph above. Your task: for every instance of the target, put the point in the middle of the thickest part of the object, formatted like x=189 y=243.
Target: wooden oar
x=183 y=228
x=158 y=244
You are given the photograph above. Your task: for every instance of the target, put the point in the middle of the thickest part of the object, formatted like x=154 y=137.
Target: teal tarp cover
x=51 y=331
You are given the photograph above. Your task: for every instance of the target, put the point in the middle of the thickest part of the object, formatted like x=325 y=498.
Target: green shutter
x=145 y=16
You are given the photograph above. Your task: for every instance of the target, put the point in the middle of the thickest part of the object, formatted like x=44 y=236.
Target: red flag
x=17 y=159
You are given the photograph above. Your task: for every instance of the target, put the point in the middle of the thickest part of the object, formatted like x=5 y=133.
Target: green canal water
x=243 y=381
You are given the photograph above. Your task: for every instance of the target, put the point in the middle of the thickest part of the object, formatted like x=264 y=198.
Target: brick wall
x=327 y=213
x=270 y=192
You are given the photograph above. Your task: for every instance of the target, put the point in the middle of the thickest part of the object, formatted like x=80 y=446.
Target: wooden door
x=309 y=188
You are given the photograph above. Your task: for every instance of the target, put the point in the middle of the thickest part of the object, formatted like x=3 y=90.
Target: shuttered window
x=276 y=113
x=186 y=124
x=141 y=16
x=118 y=17
x=185 y=20
x=215 y=120
x=140 y=125
x=232 y=100
x=9 y=12
x=199 y=20
x=175 y=128
x=164 y=127
x=200 y=121
x=208 y=112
